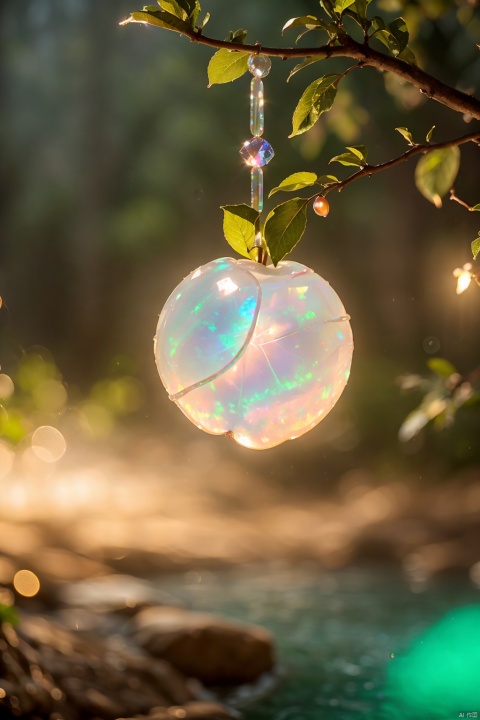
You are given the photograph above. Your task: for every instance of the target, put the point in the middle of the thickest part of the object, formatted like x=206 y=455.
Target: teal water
x=336 y=632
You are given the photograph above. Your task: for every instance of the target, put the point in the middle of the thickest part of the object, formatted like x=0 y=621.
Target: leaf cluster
x=444 y=392
x=178 y=15
x=284 y=226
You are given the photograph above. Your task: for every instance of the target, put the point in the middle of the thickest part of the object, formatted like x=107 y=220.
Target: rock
x=190 y=711
x=114 y=593
x=214 y=650
x=45 y=669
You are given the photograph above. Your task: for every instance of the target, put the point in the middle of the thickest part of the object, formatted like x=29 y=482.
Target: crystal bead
x=256 y=152
x=257 y=117
x=256 y=183
x=259 y=65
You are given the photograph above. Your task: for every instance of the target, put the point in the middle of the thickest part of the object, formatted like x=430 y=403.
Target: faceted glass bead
x=259 y=65
x=257 y=152
x=257 y=115
x=260 y=354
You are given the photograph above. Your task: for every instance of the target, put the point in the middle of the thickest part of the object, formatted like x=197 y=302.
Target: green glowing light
x=439 y=676
x=310 y=315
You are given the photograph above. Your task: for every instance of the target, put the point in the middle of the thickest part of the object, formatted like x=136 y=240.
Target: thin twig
x=369 y=170
x=459 y=201
x=436 y=89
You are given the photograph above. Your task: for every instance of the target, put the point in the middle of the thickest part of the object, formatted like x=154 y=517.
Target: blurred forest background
x=114 y=160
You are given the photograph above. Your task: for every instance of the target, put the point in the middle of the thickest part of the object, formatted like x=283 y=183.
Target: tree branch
x=464 y=204
x=436 y=89
x=369 y=170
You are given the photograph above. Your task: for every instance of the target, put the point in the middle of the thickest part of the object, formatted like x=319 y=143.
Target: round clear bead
x=259 y=65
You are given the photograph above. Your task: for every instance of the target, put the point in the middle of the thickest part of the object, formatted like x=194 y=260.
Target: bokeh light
x=438 y=677
x=26 y=583
x=6 y=386
x=48 y=444
x=464 y=277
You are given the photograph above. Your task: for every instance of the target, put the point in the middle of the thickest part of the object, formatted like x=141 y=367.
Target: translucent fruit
x=261 y=354
x=321 y=206
x=259 y=65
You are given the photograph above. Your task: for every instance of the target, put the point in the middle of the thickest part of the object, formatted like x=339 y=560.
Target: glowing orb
x=439 y=675
x=261 y=354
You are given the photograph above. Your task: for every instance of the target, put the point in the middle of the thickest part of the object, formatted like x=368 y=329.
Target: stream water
x=337 y=635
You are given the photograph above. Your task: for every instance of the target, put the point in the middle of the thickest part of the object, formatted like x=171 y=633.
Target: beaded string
x=257 y=151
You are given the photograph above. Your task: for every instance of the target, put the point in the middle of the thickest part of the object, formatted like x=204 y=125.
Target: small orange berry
x=321 y=206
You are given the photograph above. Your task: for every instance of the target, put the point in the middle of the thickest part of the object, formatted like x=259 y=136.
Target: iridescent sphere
x=261 y=354
x=259 y=65
x=321 y=206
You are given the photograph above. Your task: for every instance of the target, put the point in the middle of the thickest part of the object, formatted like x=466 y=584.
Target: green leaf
x=413 y=423
x=394 y=37
x=309 y=21
x=436 y=172
x=327 y=180
x=347 y=159
x=160 y=18
x=408 y=56
x=191 y=7
x=237 y=35
x=284 y=227
x=239 y=227
x=355 y=157
x=174 y=8
x=205 y=20
x=475 y=208
x=333 y=31
x=476 y=247
x=405 y=132
x=378 y=23
x=316 y=99
x=387 y=39
x=341 y=5
x=226 y=66
x=399 y=31
x=360 y=151
x=296 y=181
x=430 y=133
x=329 y=7
x=441 y=367
x=360 y=7
x=303 y=64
